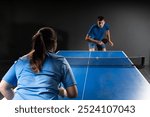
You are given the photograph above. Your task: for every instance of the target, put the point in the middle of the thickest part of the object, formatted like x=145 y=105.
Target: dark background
x=20 y=19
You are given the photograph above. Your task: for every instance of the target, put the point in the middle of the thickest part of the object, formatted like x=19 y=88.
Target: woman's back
x=42 y=85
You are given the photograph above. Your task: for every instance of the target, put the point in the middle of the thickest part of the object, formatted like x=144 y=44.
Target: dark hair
x=43 y=41
x=100 y=18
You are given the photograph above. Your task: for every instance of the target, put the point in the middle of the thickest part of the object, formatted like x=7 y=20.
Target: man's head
x=100 y=21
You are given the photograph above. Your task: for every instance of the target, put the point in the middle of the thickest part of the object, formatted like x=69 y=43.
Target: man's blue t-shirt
x=95 y=32
x=98 y=33
x=43 y=85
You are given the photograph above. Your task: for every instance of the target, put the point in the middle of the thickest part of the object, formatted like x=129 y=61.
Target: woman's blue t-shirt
x=43 y=85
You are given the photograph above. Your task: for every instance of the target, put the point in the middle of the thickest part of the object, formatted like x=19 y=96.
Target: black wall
x=19 y=20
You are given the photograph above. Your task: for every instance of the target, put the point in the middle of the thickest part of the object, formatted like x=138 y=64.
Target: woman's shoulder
x=55 y=56
x=57 y=59
x=22 y=59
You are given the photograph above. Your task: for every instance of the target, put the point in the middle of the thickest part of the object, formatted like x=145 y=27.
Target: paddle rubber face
x=105 y=40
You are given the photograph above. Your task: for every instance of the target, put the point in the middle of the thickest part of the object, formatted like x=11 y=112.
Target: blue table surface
x=96 y=82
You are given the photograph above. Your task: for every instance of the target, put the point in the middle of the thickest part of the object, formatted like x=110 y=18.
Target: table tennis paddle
x=105 y=40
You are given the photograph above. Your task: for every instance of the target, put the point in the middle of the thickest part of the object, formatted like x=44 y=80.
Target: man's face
x=100 y=23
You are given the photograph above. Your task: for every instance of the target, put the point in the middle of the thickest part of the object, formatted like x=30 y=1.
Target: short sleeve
x=10 y=76
x=107 y=26
x=91 y=31
x=68 y=76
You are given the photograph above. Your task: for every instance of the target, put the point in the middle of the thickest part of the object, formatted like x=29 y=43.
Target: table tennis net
x=100 y=61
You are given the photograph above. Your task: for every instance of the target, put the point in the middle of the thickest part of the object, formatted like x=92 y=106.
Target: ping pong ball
x=97 y=58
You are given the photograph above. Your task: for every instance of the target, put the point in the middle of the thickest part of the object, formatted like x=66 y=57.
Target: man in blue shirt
x=38 y=74
x=98 y=35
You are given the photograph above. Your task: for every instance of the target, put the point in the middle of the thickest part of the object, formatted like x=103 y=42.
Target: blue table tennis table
x=106 y=75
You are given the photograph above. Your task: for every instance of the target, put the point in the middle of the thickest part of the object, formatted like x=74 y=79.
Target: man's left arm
x=109 y=38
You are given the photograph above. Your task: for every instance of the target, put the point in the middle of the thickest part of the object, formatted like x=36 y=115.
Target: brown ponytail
x=43 y=41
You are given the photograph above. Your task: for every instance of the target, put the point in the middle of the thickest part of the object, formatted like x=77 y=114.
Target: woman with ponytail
x=38 y=74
